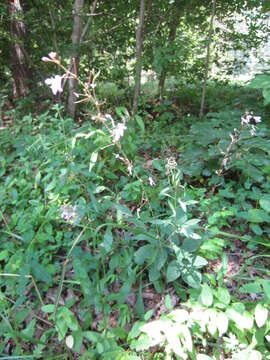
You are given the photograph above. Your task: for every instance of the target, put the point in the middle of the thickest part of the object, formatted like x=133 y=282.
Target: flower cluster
x=250 y=121
x=68 y=213
x=171 y=165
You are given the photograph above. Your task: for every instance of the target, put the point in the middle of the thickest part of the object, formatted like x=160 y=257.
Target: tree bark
x=75 y=57
x=208 y=57
x=172 y=34
x=19 y=66
x=139 y=42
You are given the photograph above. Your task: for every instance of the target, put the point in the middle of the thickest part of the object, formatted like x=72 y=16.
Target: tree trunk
x=19 y=66
x=139 y=41
x=75 y=57
x=173 y=29
x=208 y=56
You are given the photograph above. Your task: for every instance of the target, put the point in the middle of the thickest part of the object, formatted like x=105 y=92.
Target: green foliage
x=262 y=82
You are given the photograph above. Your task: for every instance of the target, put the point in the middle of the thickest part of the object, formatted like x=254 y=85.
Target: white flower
x=55 y=83
x=52 y=57
x=118 y=132
x=151 y=181
x=257 y=119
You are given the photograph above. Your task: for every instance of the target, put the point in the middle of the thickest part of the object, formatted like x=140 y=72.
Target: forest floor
x=154 y=246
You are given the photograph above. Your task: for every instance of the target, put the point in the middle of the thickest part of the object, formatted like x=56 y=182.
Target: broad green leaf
x=81 y=275
x=40 y=272
x=257 y=216
x=50 y=186
x=143 y=253
x=173 y=271
x=260 y=82
x=48 y=308
x=144 y=342
x=265 y=203
x=21 y=315
x=157 y=165
x=251 y=288
x=200 y=262
x=256 y=229
x=261 y=314
x=193 y=279
x=223 y=295
x=29 y=331
x=4 y=255
x=207 y=296
x=154 y=273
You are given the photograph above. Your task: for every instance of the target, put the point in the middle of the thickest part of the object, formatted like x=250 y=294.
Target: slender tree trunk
x=75 y=57
x=139 y=42
x=173 y=29
x=208 y=56
x=84 y=32
x=19 y=66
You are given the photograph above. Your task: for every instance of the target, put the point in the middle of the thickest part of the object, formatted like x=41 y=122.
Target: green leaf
x=40 y=272
x=50 y=186
x=266 y=288
x=29 y=331
x=256 y=229
x=261 y=314
x=223 y=295
x=207 y=296
x=4 y=255
x=200 y=262
x=260 y=82
x=251 y=288
x=20 y=316
x=93 y=160
x=173 y=271
x=48 y=308
x=157 y=165
x=257 y=216
x=154 y=272
x=37 y=179
x=108 y=240
x=168 y=302
x=193 y=279
x=139 y=301
x=143 y=253
x=140 y=123
x=265 y=203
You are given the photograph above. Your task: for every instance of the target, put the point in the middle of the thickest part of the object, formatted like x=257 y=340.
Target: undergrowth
x=148 y=243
